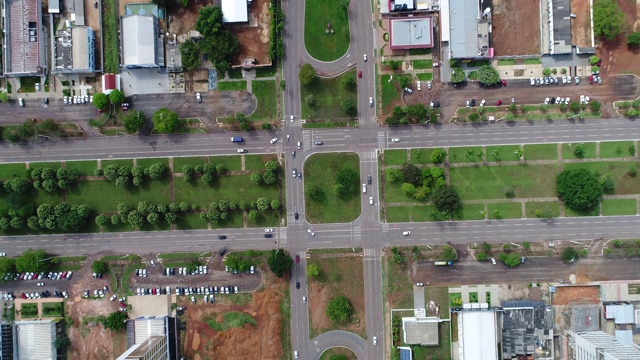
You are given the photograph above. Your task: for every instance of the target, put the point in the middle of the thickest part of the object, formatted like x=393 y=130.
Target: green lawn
x=422 y=156
x=506 y=62
x=55 y=165
x=541 y=152
x=507 y=210
x=180 y=162
x=232 y=85
x=478 y=63
x=266 y=71
x=612 y=207
x=552 y=206
x=147 y=162
x=110 y=37
x=391 y=90
x=28 y=84
x=568 y=150
x=472 y=212
x=617 y=149
x=395 y=157
x=465 y=154
x=422 y=64
x=29 y=310
x=119 y=162
x=265 y=93
x=532 y=61
x=256 y=162
x=231 y=188
x=231 y=163
x=489 y=182
x=329 y=95
x=53 y=309
x=576 y=213
x=104 y=196
x=425 y=76
x=394 y=194
x=502 y=153
x=320 y=170
x=235 y=73
x=8 y=171
x=420 y=51
x=319 y=44
x=619 y=170
x=84 y=168
x=416 y=213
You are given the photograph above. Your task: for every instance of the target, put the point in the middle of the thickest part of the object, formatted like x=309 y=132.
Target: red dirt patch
x=262 y=342
x=514 y=14
x=616 y=56
x=581 y=25
x=338 y=276
x=254 y=41
x=566 y=295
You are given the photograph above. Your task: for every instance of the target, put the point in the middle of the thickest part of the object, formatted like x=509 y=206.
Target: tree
x=392 y=175
x=339 y=309
x=99 y=267
x=171 y=218
x=134 y=121
x=570 y=253
x=101 y=220
x=348 y=82
x=122 y=182
x=313 y=270
x=411 y=174
x=408 y=189
x=116 y=321
x=165 y=121
x=579 y=189
x=116 y=97
x=280 y=262
x=595 y=105
x=608 y=19
x=511 y=260
x=349 y=107
x=263 y=204
x=457 y=75
x=100 y=101
x=269 y=177
x=446 y=200
x=253 y=214
x=488 y=75
x=256 y=177
x=275 y=204
x=633 y=39
x=217 y=42
x=188 y=172
x=32 y=261
x=61 y=342
x=307 y=74
x=594 y=60
x=438 y=156
x=135 y=218
x=349 y=178
x=310 y=100
x=574 y=107
x=314 y=192
x=608 y=184
x=7 y=265
x=546 y=71
x=157 y=171
x=190 y=55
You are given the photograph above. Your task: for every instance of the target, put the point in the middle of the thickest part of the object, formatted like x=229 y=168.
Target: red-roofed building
x=110 y=82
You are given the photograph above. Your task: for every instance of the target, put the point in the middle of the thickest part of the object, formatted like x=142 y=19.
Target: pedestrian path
x=382 y=140
x=356 y=234
x=282 y=236
x=307 y=136
x=371 y=254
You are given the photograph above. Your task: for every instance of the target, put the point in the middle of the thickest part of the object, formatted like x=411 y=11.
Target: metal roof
x=478 y=338
x=423 y=331
x=608 y=346
x=623 y=314
x=411 y=33
x=138 y=40
x=35 y=339
x=561 y=21
x=405 y=353
x=235 y=11
x=79 y=12
x=468 y=31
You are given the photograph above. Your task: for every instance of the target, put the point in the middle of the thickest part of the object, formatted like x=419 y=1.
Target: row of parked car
x=40 y=276
x=44 y=294
x=78 y=99
x=252 y=270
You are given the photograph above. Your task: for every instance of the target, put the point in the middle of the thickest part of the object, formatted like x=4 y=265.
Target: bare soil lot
x=581 y=25
x=338 y=276
x=260 y=342
x=566 y=295
x=513 y=14
x=616 y=56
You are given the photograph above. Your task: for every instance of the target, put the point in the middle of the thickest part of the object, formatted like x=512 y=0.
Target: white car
x=304 y=299
x=581 y=99
x=40 y=284
x=533 y=81
x=493 y=261
x=370 y=101
x=406 y=233
x=65 y=294
x=546 y=101
x=311 y=232
x=198 y=97
x=566 y=101
x=365 y=57
x=419 y=86
x=370 y=200
x=242 y=151
x=564 y=79
x=153 y=263
x=569 y=79
x=375 y=340
x=364 y=188
x=483 y=102
x=429 y=85
x=395 y=140
x=113 y=297
x=586 y=100
x=274 y=140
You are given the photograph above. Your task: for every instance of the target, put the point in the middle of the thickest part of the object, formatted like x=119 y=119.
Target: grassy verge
x=235 y=73
x=169 y=256
x=28 y=84
x=29 y=310
x=535 y=61
x=391 y=90
x=506 y=62
x=478 y=63
x=425 y=76
x=265 y=93
x=327 y=124
x=506 y=210
x=611 y=207
x=617 y=149
x=320 y=171
x=53 y=309
x=321 y=45
x=419 y=51
x=469 y=154
x=541 y=152
x=537 y=209
x=232 y=85
x=110 y=37
x=422 y=156
x=572 y=151
x=329 y=94
x=395 y=157
x=399 y=289
x=331 y=352
x=127 y=274
x=416 y=213
x=422 y=64
x=266 y=71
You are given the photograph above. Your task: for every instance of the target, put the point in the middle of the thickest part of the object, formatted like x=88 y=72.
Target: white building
x=598 y=345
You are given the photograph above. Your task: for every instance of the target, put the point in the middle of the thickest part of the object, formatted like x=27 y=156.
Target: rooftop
x=411 y=33
x=472 y=345
x=610 y=347
x=469 y=30
x=561 y=21
x=139 y=44
x=22 y=35
x=34 y=339
x=420 y=331
x=235 y=11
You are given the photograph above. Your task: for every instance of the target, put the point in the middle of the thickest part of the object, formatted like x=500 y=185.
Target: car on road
x=295 y=173
x=359 y=73
x=153 y=263
x=46 y=101
x=370 y=200
x=304 y=299
x=483 y=102
x=268 y=236
x=221 y=252
x=419 y=86
x=365 y=57
x=295 y=354
x=364 y=188
x=297 y=285
x=274 y=140
x=599 y=80
x=291 y=118
x=293 y=153
x=198 y=97
x=299 y=145
x=369 y=179
x=395 y=140
x=297 y=259
x=311 y=232
x=513 y=100
x=222 y=237
x=581 y=99
x=66 y=295
x=318 y=143
x=522 y=259
x=370 y=101
x=21 y=102
x=568 y=79
x=40 y=284
x=590 y=79
x=296 y=215
x=499 y=102
x=408 y=90
x=546 y=81
x=493 y=261
x=504 y=82
x=242 y=151
x=113 y=297
x=375 y=340
x=406 y=233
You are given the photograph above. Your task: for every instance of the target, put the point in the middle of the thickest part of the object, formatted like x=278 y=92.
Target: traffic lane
x=373 y=306
x=515 y=230
x=474 y=272
x=300 y=309
x=338 y=338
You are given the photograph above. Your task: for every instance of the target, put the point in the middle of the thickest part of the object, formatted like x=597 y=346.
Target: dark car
x=319 y=143
x=369 y=179
x=297 y=285
x=46 y=101
x=222 y=237
x=268 y=236
x=473 y=102
x=172 y=271
x=222 y=251
x=437 y=104
x=296 y=216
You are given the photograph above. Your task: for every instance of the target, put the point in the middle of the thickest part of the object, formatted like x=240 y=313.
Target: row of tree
x=101 y=101
x=125 y=176
x=221 y=211
x=30 y=128
x=30 y=261
x=412 y=114
x=50 y=180
x=145 y=211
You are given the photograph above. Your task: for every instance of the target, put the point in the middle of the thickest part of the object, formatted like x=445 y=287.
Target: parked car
x=297 y=259
x=419 y=86
x=198 y=97
x=408 y=90
x=483 y=102
x=359 y=73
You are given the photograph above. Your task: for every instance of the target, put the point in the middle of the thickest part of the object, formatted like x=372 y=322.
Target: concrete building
x=477 y=332
x=402 y=5
x=527 y=329
x=234 y=11
x=466 y=30
x=34 y=340
x=624 y=320
x=598 y=345
x=560 y=22
x=141 y=44
x=24 y=40
x=420 y=331
x=6 y=341
x=74 y=51
x=151 y=339
x=411 y=32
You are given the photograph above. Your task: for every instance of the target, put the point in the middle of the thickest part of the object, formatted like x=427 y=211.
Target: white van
x=295 y=354
x=364 y=188
x=371 y=200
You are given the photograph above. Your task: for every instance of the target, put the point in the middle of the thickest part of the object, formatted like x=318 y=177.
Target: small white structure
x=234 y=11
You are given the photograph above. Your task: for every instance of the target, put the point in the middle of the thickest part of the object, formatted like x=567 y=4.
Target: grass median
x=326 y=29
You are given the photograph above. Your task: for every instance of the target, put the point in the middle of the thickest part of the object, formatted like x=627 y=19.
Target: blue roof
x=405 y=354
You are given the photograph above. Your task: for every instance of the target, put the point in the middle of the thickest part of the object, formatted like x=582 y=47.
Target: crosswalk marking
x=369 y=156
x=306 y=138
x=385 y=227
x=357 y=233
x=370 y=254
x=282 y=236
x=382 y=140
